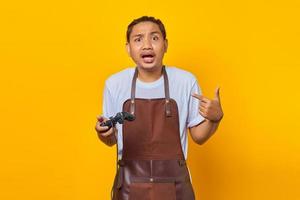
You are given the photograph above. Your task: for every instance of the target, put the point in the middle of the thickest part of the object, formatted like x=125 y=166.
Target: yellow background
x=55 y=56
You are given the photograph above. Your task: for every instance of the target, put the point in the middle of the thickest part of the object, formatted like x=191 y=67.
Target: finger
x=205 y=99
x=107 y=133
x=200 y=97
x=197 y=96
x=217 y=93
x=99 y=117
x=203 y=107
x=101 y=128
x=202 y=113
x=99 y=124
x=204 y=103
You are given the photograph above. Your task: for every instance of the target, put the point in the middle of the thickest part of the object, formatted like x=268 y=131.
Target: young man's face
x=147 y=45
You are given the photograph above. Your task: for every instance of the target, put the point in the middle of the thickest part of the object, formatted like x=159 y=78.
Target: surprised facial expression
x=147 y=46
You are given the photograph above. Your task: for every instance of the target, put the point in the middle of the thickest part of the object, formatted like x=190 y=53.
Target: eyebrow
x=153 y=32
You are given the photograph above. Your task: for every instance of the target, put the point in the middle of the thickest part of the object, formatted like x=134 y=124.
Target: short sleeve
x=194 y=117
x=108 y=102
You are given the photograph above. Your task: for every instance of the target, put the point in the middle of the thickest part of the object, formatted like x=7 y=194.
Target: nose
x=147 y=44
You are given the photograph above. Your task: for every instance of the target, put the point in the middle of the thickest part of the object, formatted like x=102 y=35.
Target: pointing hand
x=210 y=109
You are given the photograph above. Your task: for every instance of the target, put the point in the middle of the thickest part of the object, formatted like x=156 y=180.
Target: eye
x=137 y=39
x=155 y=38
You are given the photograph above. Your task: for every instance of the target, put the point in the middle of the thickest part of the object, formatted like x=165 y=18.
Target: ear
x=166 y=45
x=128 y=48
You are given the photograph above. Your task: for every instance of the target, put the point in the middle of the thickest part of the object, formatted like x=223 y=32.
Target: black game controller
x=119 y=118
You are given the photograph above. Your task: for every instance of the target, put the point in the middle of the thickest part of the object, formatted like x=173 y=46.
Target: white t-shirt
x=181 y=85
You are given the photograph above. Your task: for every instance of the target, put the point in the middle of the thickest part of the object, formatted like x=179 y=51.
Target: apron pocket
x=142 y=188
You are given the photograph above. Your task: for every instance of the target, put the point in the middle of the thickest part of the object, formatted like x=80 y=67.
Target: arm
x=211 y=110
x=203 y=131
x=108 y=137
x=110 y=140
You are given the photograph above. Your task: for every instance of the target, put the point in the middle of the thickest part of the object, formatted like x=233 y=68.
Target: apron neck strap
x=166 y=87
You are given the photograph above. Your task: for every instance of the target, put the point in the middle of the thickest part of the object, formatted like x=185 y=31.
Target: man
x=166 y=101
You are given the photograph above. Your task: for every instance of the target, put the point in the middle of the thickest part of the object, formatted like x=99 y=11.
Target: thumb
x=217 y=93
x=100 y=118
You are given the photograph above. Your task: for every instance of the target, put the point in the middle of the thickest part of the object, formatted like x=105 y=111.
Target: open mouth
x=148 y=57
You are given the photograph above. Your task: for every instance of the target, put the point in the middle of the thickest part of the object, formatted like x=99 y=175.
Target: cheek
x=159 y=48
x=134 y=52
x=160 y=52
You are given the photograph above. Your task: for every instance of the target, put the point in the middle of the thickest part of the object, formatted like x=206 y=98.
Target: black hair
x=145 y=19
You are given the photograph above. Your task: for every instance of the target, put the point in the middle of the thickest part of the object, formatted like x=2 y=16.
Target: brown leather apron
x=152 y=165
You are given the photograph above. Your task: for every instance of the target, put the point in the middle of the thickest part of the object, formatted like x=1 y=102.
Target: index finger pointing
x=200 y=97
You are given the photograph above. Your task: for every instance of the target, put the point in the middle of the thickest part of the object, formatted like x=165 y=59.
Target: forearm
x=203 y=131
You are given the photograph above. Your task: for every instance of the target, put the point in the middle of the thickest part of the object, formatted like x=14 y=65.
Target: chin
x=148 y=66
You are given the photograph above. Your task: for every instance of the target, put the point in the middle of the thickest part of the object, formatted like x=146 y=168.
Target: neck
x=149 y=75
